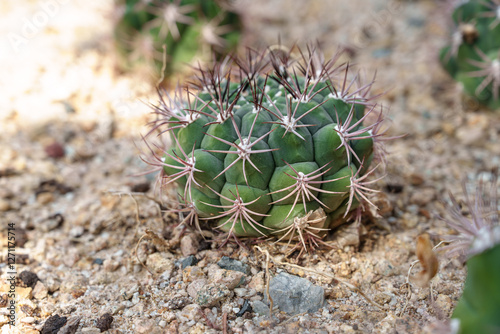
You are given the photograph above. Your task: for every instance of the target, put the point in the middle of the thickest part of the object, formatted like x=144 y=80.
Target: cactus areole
x=473 y=56
x=270 y=145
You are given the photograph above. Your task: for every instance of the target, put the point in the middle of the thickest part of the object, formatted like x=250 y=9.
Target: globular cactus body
x=473 y=57
x=478 y=240
x=274 y=152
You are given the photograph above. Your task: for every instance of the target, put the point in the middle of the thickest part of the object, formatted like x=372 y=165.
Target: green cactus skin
x=280 y=151
x=473 y=57
x=479 y=307
x=478 y=239
x=191 y=31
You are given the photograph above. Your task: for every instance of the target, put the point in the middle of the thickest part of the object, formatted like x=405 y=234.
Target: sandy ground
x=79 y=217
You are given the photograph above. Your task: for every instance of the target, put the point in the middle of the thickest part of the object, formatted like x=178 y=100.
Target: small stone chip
x=28 y=278
x=232 y=264
x=104 y=322
x=71 y=326
x=53 y=324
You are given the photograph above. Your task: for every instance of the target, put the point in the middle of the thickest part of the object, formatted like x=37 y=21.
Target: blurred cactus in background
x=192 y=31
x=271 y=144
x=473 y=57
x=478 y=242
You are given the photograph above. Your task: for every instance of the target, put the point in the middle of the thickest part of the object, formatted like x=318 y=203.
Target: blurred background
x=91 y=58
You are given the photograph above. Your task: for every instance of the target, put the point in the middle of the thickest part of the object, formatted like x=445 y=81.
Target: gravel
x=70 y=127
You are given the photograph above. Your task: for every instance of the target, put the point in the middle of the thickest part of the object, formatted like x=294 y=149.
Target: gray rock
x=191 y=260
x=295 y=295
x=259 y=307
x=232 y=264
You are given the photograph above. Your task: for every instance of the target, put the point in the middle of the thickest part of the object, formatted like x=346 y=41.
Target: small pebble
x=196 y=286
x=77 y=231
x=260 y=308
x=176 y=303
x=244 y=308
x=104 y=322
x=28 y=320
x=190 y=312
x=40 y=291
x=71 y=326
x=229 y=278
x=53 y=324
x=28 y=278
x=45 y=198
x=159 y=263
x=54 y=150
x=110 y=265
x=385 y=268
x=192 y=273
x=232 y=264
x=191 y=260
x=257 y=282
x=189 y=245
x=98 y=261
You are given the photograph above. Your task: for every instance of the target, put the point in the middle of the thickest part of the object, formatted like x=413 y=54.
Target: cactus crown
x=271 y=144
x=473 y=56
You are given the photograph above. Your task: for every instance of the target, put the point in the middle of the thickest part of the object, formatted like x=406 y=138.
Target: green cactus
x=473 y=57
x=192 y=31
x=282 y=150
x=479 y=241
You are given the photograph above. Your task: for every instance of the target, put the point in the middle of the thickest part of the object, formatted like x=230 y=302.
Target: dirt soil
x=92 y=230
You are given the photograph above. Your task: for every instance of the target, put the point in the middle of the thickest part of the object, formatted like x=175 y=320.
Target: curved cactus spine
x=167 y=17
x=243 y=149
x=489 y=69
x=182 y=166
x=268 y=154
x=238 y=212
x=305 y=231
x=359 y=189
x=304 y=187
x=175 y=111
x=349 y=132
x=477 y=242
x=494 y=13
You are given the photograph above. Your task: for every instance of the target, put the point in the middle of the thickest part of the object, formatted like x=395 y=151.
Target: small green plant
x=478 y=242
x=191 y=31
x=473 y=57
x=271 y=145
